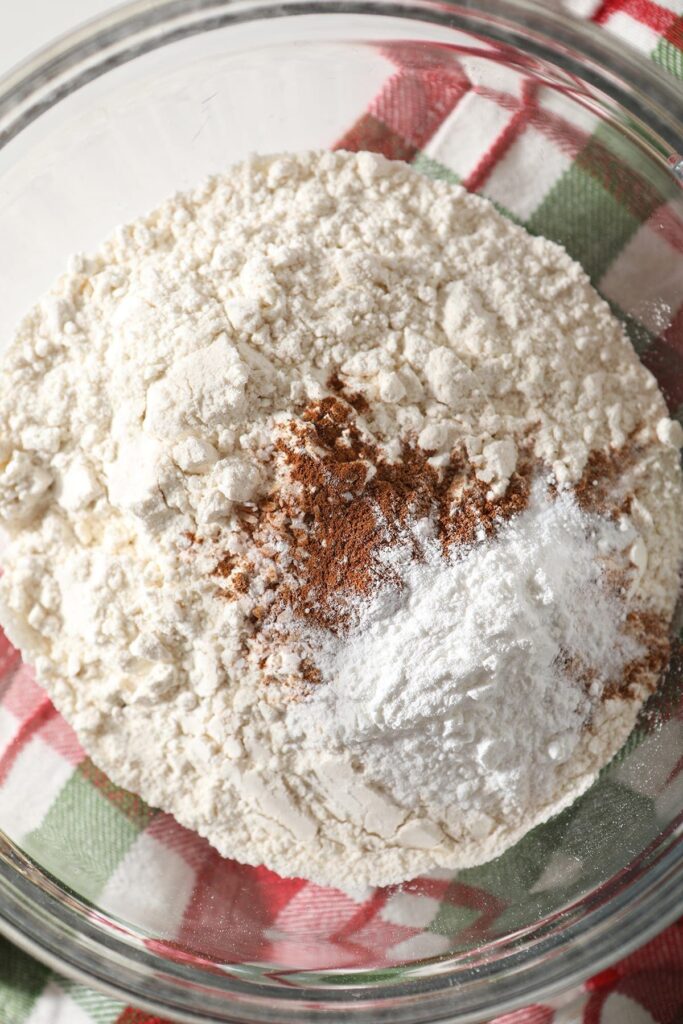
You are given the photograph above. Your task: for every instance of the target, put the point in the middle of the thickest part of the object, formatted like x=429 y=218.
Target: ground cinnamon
x=320 y=536
x=651 y=630
x=355 y=399
x=344 y=503
x=598 y=490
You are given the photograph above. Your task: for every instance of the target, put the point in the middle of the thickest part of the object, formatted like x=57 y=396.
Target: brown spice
x=354 y=398
x=640 y=676
x=344 y=503
x=352 y=504
x=192 y=538
x=602 y=490
x=466 y=510
x=598 y=489
x=240 y=582
x=577 y=669
x=225 y=567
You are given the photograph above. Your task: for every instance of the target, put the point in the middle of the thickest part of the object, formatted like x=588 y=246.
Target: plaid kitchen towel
x=432 y=112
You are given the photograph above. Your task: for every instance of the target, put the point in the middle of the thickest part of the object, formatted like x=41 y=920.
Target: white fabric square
x=9 y=727
x=497 y=76
x=646 y=280
x=316 y=911
x=423 y=945
x=55 y=1006
x=526 y=173
x=634 y=32
x=467 y=133
x=660 y=752
x=306 y=955
x=411 y=910
x=31 y=787
x=560 y=871
x=580 y=8
x=569 y=1007
x=569 y=109
x=619 y=1009
x=150 y=888
x=668 y=803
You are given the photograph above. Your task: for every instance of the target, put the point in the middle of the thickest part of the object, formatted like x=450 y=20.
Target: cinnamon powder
x=640 y=676
x=598 y=489
x=343 y=503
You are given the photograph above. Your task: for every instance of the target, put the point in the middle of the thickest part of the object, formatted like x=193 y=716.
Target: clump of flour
x=139 y=405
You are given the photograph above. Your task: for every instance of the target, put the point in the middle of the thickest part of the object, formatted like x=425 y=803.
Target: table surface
x=30 y=24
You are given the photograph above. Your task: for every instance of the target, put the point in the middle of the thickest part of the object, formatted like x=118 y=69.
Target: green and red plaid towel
x=572 y=198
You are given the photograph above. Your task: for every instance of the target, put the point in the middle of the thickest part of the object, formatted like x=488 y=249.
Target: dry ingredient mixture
x=343 y=522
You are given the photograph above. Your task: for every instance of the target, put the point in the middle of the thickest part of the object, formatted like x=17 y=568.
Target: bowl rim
x=621 y=73
x=52 y=924
x=41 y=915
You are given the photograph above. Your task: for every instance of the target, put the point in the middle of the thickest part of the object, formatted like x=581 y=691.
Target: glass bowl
x=567 y=132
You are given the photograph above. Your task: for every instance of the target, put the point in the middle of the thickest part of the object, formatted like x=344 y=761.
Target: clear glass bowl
x=150 y=99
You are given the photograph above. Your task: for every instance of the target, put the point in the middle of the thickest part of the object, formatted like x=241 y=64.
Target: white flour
x=138 y=405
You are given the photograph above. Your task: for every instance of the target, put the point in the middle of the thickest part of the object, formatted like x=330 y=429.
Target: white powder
x=452 y=690
x=138 y=406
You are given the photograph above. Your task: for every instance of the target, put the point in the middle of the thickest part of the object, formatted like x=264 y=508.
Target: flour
x=139 y=406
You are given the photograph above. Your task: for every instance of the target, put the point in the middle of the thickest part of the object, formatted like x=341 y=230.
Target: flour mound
x=140 y=407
